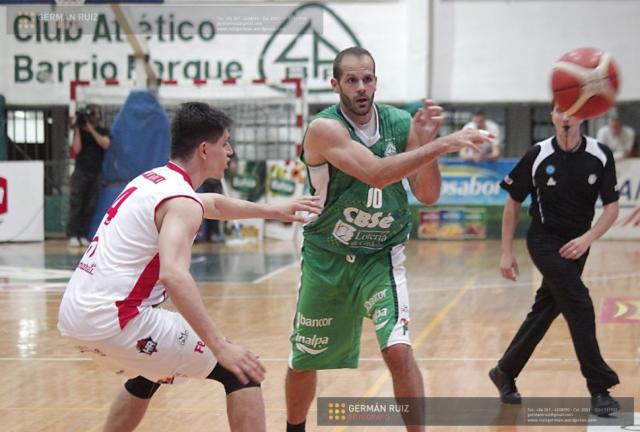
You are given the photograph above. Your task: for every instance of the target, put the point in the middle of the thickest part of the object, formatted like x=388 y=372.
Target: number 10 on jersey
x=374 y=198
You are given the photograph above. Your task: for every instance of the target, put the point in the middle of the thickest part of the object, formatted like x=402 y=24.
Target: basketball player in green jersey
x=357 y=154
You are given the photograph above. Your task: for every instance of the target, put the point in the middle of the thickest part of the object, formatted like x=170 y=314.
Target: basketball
x=585 y=82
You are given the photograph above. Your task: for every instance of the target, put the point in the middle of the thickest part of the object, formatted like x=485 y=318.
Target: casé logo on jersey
x=3 y=196
x=363 y=219
x=345 y=232
x=304 y=46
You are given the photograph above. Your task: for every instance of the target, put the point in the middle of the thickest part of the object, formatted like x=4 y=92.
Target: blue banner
x=471 y=183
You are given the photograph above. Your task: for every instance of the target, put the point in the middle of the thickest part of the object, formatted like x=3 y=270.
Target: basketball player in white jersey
x=140 y=253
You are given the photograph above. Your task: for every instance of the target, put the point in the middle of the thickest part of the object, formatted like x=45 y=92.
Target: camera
x=82 y=115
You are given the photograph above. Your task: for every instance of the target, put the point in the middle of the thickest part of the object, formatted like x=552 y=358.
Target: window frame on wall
x=27 y=130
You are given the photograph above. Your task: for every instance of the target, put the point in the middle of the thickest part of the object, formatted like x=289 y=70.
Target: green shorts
x=336 y=293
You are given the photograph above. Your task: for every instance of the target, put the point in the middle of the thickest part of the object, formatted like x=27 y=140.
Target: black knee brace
x=229 y=380
x=141 y=387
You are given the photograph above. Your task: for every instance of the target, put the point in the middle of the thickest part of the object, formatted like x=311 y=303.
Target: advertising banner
x=245 y=180
x=627 y=226
x=452 y=223
x=285 y=179
x=469 y=183
x=21 y=201
x=470 y=204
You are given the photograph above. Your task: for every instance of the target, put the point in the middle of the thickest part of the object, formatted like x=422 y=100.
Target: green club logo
x=308 y=52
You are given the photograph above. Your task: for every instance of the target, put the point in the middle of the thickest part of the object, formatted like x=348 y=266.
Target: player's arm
x=221 y=207
x=327 y=140
x=508 y=263
x=425 y=184
x=178 y=220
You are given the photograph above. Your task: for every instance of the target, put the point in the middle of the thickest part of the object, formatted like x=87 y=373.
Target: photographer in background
x=90 y=141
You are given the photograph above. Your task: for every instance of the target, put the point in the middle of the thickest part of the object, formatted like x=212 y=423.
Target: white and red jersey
x=118 y=274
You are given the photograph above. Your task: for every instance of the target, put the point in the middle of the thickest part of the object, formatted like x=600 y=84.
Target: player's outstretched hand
x=466 y=138
x=427 y=121
x=241 y=362
x=286 y=211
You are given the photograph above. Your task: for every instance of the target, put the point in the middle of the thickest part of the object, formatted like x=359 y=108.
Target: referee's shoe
x=603 y=405
x=506 y=386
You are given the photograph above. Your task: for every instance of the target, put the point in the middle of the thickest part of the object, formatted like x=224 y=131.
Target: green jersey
x=358 y=218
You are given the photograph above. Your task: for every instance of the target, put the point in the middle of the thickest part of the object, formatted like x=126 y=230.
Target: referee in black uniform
x=564 y=174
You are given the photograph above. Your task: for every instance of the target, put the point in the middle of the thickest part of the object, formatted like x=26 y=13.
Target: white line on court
x=363 y=359
x=10 y=288
x=527 y=283
x=273 y=273
x=45 y=359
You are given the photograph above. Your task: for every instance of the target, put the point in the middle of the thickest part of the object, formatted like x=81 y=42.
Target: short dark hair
x=479 y=113
x=354 y=51
x=194 y=123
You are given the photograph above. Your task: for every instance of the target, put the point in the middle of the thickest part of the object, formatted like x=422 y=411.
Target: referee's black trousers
x=562 y=292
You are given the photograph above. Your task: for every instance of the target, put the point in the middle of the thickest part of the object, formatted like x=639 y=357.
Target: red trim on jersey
x=128 y=308
x=173 y=167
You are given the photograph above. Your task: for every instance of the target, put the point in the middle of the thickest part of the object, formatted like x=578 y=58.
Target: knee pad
x=229 y=380
x=141 y=387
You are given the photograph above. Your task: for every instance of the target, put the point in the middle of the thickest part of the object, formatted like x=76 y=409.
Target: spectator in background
x=618 y=137
x=90 y=141
x=488 y=151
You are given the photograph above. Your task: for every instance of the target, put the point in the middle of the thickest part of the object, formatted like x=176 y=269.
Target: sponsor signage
x=627 y=226
x=468 y=183
x=21 y=201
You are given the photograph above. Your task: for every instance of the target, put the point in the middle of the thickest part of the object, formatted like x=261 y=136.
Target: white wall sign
x=209 y=42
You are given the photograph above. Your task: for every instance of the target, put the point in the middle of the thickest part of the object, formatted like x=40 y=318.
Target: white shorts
x=158 y=344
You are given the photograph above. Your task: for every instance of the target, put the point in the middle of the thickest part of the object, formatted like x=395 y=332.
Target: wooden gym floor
x=463 y=316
